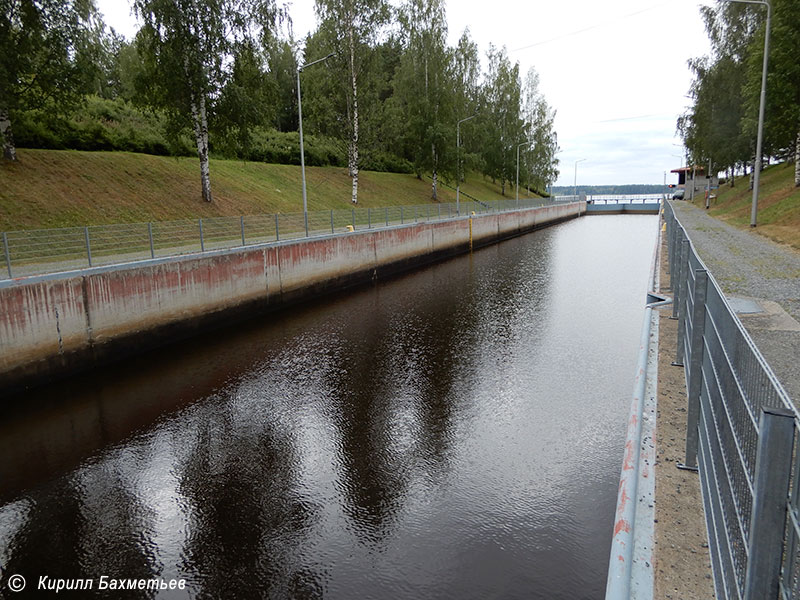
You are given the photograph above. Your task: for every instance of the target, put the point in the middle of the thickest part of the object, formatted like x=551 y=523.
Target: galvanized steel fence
x=740 y=436
x=34 y=252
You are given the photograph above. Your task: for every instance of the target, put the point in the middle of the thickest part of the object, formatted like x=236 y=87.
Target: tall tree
x=541 y=162
x=353 y=27
x=187 y=45
x=424 y=85
x=46 y=56
x=501 y=119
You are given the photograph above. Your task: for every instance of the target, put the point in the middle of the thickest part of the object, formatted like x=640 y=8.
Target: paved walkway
x=762 y=282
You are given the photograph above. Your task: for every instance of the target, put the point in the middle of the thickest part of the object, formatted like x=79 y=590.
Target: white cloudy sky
x=614 y=70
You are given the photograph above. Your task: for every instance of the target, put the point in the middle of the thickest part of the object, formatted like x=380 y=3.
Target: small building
x=696 y=175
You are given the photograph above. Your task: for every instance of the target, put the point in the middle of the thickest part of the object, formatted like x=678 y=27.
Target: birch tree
x=353 y=28
x=424 y=85
x=45 y=57
x=186 y=45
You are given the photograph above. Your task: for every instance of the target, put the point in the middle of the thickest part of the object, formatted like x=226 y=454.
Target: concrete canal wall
x=52 y=325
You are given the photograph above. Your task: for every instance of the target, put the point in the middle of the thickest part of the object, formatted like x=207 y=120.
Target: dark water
x=453 y=433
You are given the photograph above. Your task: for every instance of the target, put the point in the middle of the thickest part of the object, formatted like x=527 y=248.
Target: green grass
x=778 y=204
x=64 y=188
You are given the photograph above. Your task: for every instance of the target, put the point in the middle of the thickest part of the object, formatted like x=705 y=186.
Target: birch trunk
x=201 y=138
x=797 y=161
x=9 y=149
x=354 y=140
x=435 y=177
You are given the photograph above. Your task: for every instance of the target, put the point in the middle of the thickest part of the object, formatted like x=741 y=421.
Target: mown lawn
x=778 y=204
x=63 y=188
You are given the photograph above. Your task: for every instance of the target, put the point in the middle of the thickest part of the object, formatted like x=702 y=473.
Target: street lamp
x=575 y=183
x=525 y=143
x=762 y=103
x=458 y=160
x=302 y=151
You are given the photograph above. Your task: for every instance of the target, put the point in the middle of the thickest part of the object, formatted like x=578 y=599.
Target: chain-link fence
x=740 y=436
x=40 y=251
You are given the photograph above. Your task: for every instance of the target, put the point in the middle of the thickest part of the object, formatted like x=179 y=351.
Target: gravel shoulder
x=765 y=275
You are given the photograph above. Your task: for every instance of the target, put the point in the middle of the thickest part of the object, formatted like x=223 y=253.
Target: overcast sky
x=615 y=71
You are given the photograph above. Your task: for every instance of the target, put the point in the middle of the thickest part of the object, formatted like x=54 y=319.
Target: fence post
x=277 y=234
x=682 y=255
x=680 y=298
x=332 y=229
x=439 y=212
x=88 y=245
x=387 y=216
x=150 y=235
x=369 y=218
x=8 y=255
x=768 y=515
x=401 y=215
x=202 y=244
x=353 y=217
x=305 y=221
x=241 y=222
x=695 y=366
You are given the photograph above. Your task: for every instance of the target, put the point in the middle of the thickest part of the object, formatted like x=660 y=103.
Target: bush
x=103 y=124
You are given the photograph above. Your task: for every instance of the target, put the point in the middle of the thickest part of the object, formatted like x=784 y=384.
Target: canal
x=455 y=432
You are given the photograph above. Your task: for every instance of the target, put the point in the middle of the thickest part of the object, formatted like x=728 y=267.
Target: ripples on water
x=452 y=433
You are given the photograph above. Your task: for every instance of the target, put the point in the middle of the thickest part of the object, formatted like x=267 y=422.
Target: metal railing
x=625 y=198
x=740 y=436
x=35 y=252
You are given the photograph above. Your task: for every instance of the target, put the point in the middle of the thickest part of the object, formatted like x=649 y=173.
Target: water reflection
x=452 y=433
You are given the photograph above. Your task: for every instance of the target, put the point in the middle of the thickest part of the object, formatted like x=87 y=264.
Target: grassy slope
x=51 y=188
x=778 y=204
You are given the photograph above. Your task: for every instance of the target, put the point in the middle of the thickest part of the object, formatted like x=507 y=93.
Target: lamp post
x=525 y=143
x=302 y=150
x=762 y=103
x=458 y=160
x=575 y=182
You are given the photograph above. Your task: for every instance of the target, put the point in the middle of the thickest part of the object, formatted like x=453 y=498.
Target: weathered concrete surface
x=57 y=324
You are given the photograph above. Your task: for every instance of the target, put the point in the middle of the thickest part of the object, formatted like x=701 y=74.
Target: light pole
x=575 y=183
x=762 y=103
x=302 y=150
x=458 y=160
x=525 y=143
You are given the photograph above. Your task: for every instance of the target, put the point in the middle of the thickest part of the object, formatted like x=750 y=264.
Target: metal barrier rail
x=35 y=252
x=740 y=437
x=625 y=198
x=628 y=544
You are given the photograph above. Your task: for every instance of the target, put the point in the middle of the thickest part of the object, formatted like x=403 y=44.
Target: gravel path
x=746 y=264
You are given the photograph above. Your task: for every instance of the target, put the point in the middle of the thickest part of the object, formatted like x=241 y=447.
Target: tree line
x=221 y=76
x=721 y=124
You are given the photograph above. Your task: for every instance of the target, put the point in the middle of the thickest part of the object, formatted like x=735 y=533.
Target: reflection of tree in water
x=247 y=525
x=398 y=394
x=84 y=526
